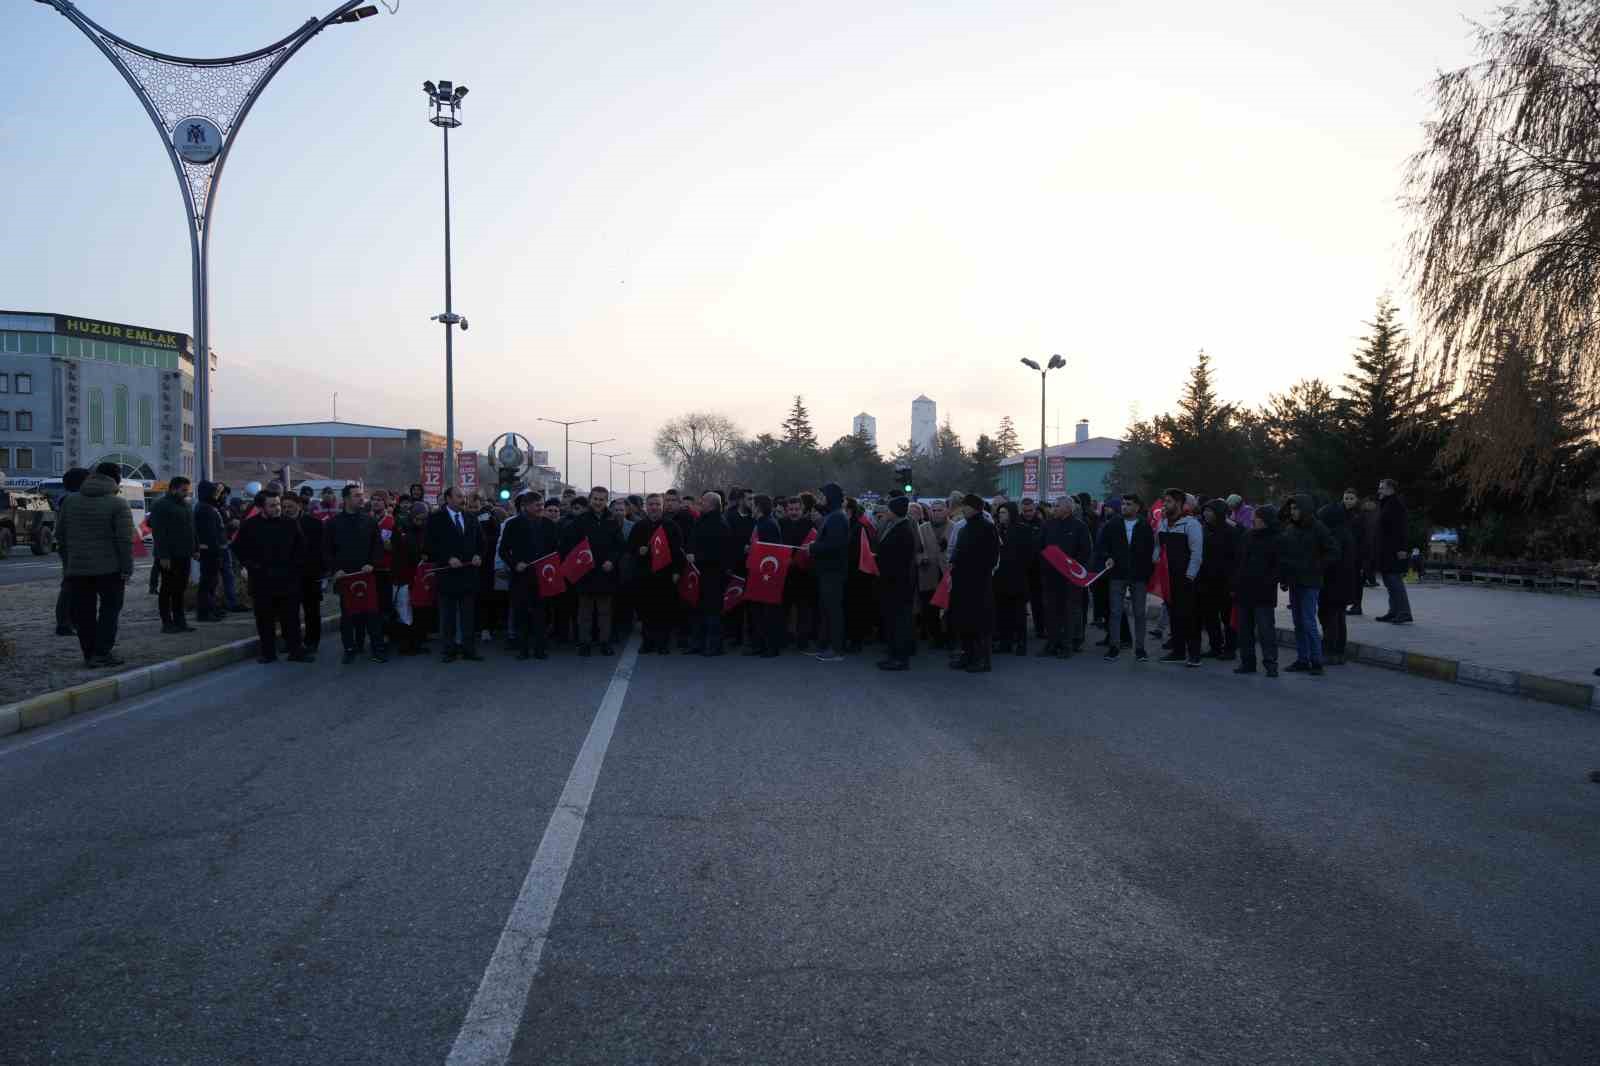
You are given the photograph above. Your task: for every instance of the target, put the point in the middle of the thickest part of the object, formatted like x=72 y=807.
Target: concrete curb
x=64 y=703
x=1456 y=672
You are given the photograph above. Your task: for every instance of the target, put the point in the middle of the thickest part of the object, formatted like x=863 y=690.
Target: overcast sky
x=661 y=207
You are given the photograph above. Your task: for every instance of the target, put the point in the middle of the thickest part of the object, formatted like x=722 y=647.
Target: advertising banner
x=1058 y=475
x=433 y=475
x=1030 y=475
x=467 y=467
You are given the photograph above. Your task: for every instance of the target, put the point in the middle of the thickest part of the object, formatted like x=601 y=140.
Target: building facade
x=864 y=425
x=351 y=451
x=924 y=424
x=1088 y=461
x=80 y=391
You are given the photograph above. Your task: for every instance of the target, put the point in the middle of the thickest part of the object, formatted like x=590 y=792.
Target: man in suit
x=455 y=545
x=1129 y=544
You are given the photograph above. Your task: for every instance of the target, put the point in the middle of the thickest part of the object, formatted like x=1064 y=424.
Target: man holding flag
x=709 y=550
x=766 y=566
x=1128 y=545
x=800 y=585
x=657 y=548
x=593 y=545
x=528 y=547
x=1065 y=536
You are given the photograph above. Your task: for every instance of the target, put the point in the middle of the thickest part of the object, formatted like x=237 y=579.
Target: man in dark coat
x=71 y=481
x=603 y=531
x=1064 y=601
x=172 y=526
x=307 y=593
x=971 y=612
x=897 y=583
x=655 y=592
x=709 y=553
x=1340 y=580
x=800 y=586
x=1214 y=590
x=1019 y=552
x=1031 y=515
x=1255 y=590
x=1305 y=550
x=351 y=545
x=273 y=551
x=741 y=520
x=454 y=544
x=95 y=531
x=1129 y=544
x=1392 y=554
x=765 y=619
x=211 y=540
x=528 y=537
x=830 y=563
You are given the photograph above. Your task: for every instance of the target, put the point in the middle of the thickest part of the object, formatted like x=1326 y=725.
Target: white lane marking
x=496 y=1013
x=160 y=696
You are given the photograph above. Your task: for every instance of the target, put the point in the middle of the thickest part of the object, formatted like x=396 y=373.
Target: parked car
x=26 y=518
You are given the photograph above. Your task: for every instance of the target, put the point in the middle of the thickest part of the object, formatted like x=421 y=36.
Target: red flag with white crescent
x=1070 y=568
x=579 y=562
x=424 y=586
x=358 y=593
x=547 y=568
x=941 y=595
x=868 y=563
x=732 y=593
x=768 y=567
x=139 y=550
x=689 y=587
x=660 y=549
x=802 y=560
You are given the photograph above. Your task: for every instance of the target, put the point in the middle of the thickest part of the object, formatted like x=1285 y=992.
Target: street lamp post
x=629 y=468
x=566 y=436
x=611 y=474
x=444 y=111
x=591 y=444
x=645 y=474
x=1055 y=363
x=197 y=106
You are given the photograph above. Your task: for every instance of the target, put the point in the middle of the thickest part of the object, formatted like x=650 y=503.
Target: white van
x=133 y=492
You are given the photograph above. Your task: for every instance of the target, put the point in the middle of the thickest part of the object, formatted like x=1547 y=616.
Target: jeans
x=230 y=590
x=830 y=604
x=1185 y=617
x=352 y=627
x=169 y=600
x=458 y=617
x=1399 y=602
x=1307 y=634
x=96 y=604
x=1139 y=589
x=1258 y=623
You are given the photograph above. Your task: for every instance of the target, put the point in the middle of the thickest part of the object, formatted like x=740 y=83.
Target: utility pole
x=566 y=436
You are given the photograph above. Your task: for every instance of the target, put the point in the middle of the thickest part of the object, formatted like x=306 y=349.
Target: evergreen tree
x=1299 y=445
x=797 y=427
x=1202 y=448
x=1006 y=442
x=985 y=476
x=1378 y=402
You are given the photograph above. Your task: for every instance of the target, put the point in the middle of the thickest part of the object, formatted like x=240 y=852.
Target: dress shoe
x=894 y=665
x=303 y=657
x=349 y=657
x=472 y=657
x=606 y=649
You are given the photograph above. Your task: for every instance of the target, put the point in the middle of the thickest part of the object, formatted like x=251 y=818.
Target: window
x=97 y=416
x=5 y=420
x=24 y=458
x=119 y=414
x=188 y=400
x=188 y=433
x=24 y=384
x=56 y=466
x=5 y=456
x=24 y=421
x=5 y=382
x=147 y=421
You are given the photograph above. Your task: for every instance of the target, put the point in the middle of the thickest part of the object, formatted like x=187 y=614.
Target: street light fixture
x=444 y=111
x=629 y=467
x=197 y=106
x=610 y=458
x=1055 y=363
x=566 y=469
x=591 y=444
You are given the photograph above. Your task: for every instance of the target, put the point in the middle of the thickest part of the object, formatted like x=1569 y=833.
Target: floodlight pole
x=221 y=92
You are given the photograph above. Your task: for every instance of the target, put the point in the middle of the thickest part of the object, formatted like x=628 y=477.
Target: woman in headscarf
x=1017 y=552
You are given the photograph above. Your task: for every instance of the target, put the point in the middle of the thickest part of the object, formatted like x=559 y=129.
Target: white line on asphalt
x=496 y=1012
x=184 y=689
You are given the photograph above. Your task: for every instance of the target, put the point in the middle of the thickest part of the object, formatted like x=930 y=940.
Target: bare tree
x=1505 y=202
x=699 y=447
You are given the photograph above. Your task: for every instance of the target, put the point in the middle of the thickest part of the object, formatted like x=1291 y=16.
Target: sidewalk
x=1556 y=636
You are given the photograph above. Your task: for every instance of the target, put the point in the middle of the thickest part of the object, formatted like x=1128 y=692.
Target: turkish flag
x=424 y=587
x=732 y=593
x=358 y=593
x=802 y=560
x=868 y=562
x=660 y=549
x=1070 y=568
x=765 y=584
x=139 y=550
x=941 y=595
x=547 y=568
x=689 y=587
x=579 y=562
x=1160 y=585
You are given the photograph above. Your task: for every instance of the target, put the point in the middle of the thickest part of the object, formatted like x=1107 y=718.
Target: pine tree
x=1379 y=401
x=797 y=429
x=1006 y=441
x=985 y=476
x=1203 y=448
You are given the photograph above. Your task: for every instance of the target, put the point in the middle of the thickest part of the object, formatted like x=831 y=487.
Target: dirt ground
x=34 y=660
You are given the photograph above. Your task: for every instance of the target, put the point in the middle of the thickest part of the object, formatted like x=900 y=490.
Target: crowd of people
x=972 y=576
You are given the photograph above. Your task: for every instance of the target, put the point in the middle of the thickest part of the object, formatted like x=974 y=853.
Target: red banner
x=1030 y=475
x=1070 y=568
x=802 y=560
x=358 y=593
x=547 y=568
x=765 y=584
x=433 y=475
x=732 y=593
x=1160 y=584
x=579 y=562
x=867 y=563
x=467 y=470
x=1058 y=475
x=941 y=595
x=660 y=549
x=689 y=587
x=424 y=586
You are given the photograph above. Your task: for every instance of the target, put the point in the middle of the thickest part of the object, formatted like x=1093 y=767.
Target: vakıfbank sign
x=120 y=333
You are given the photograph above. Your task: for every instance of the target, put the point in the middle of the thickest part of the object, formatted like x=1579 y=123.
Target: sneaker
x=1111 y=655
x=1192 y=661
x=1316 y=670
x=379 y=657
x=1243 y=669
x=349 y=656
x=1272 y=670
x=1384 y=618
x=1174 y=657
x=107 y=660
x=1401 y=621
x=1352 y=611
x=1139 y=656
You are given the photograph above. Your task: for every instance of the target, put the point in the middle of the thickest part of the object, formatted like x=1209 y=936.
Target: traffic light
x=903 y=476
x=508 y=483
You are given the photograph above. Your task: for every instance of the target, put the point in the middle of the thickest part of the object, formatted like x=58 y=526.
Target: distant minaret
x=924 y=424
x=864 y=425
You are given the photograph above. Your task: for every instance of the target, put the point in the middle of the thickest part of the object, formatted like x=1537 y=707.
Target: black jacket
x=1342 y=575
x=445 y=541
x=1255 y=580
x=971 y=611
x=1306 y=548
x=604 y=534
x=740 y=526
x=525 y=540
x=1221 y=552
x=897 y=562
x=273 y=551
x=709 y=543
x=1070 y=535
x=1019 y=551
x=349 y=542
x=172 y=525
x=1130 y=561
x=311 y=531
x=1392 y=551
x=211 y=534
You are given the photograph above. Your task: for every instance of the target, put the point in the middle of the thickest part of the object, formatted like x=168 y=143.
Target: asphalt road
x=796 y=862
x=22 y=565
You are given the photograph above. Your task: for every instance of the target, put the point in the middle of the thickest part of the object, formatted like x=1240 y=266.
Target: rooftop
x=1093 y=448
x=316 y=429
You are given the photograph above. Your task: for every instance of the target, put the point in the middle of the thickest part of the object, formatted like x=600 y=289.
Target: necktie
x=459 y=527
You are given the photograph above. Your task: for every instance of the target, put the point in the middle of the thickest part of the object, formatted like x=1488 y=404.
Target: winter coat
x=1018 y=551
x=710 y=546
x=95 y=530
x=1133 y=560
x=971 y=610
x=1392 y=554
x=933 y=558
x=210 y=532
x=829 y=552
x=1305 y=548
x=897 y=562
x=273 y=551
x=349 y=542
x=1221 y=548
x=313 y=530
x=1255 y=579
x=1341 y=577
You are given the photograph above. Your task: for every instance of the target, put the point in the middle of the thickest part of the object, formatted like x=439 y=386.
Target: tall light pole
x=566 y=436
x=646 y=475
x=444 y=111
x=629 y=467
x=1055 y=363
x=610 y=458
x=591 y=444
x=197 y=106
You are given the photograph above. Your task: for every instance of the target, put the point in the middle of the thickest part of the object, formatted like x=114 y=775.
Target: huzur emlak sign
x=121 y=333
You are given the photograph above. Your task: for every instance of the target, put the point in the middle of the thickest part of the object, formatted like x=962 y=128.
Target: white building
x=924 y=423
x=864 y=425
